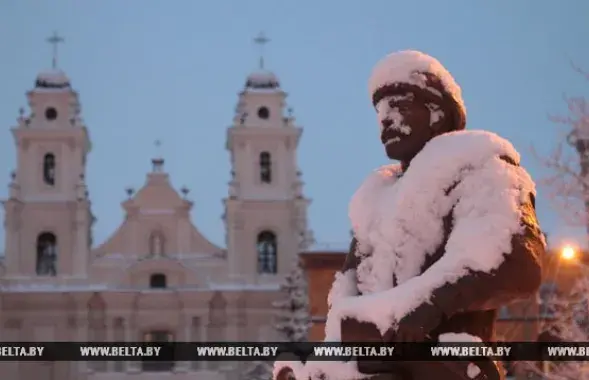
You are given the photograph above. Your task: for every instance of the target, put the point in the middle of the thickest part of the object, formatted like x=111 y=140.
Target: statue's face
x=408 y=120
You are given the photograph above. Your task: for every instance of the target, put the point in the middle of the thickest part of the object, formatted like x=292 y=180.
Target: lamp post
x=568 y=252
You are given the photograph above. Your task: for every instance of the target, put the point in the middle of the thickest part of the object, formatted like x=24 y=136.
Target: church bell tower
x=47 y=214
x=266 y=211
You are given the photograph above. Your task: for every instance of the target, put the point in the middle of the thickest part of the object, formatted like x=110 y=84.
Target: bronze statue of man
x=442 y=240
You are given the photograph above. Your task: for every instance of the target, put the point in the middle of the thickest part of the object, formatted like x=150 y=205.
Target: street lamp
x=568 y=252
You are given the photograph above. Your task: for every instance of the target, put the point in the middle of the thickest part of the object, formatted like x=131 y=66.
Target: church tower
x=266 y=211
x=47 y=214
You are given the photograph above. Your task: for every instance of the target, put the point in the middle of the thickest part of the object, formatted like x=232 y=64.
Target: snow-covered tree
x=258 y=370
x=569 y=163
x=293 y=319
x=568 y=313
x=567 y=320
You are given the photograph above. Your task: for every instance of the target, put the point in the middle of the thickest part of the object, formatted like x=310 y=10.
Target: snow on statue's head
x=416 y=99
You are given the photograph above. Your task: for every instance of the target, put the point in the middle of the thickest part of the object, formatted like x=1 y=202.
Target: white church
x=156 y=277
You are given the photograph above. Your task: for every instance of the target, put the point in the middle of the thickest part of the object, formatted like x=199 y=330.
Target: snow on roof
x=59 y=288
x=56 y=288
x=405 y=219
x=242 y=287
x=52 y=79
x=263 y=80
x=402 y=66
x=335 y=247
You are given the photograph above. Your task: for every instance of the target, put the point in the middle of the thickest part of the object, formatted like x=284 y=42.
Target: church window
x=263 y=113
x=157 y=281
x=267 y=247
x=46 y=254
x=51 y=113
x=158 y=336
x=265 y=167
x=49 y=169
x=156 y=244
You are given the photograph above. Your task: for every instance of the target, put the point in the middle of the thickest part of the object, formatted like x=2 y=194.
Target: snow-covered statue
x=440 y=241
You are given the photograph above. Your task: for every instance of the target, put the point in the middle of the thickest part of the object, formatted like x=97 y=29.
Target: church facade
x=157 y=277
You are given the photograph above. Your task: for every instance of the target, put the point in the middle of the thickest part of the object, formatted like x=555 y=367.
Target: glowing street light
x=568 y=252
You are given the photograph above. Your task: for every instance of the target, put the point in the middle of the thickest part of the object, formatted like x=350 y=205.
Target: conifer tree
x=293 y=319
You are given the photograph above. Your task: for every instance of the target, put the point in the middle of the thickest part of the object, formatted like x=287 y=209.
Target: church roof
x=262 y=79
x=158 y=193
x=54 y=78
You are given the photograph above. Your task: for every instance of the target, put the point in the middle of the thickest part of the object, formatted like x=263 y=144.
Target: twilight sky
x=171 y=70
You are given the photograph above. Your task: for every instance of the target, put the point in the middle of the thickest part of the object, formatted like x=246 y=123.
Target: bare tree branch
x=568 y=186
x=568 y=183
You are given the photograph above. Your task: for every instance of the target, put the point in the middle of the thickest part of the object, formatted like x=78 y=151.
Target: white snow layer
x=262 y=78
x=344 y=285
x=406 y=67
x=472 y=370
x=293 y=319
x=314 y=369
x=399 y=222
x=458 y=338
x=53 y=77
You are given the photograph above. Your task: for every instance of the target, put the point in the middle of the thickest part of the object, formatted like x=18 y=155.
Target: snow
x=400 y=222
x=459 y=338
x=249 y=287
x=407 y=67
x=262 y=80
x=472 y=370
x=384 y=111
x=53 y=288
x=52 y=79
x=387 y=109
x=257 y=370
x=293 y=318
x=314 y=369
x=59 y=288
x=337 y=248
x=569 y=314
x=344 y=285
x=436 y=114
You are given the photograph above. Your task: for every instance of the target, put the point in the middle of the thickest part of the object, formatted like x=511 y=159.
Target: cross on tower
x=55 y=39
x=158 y=161
x=261 y=40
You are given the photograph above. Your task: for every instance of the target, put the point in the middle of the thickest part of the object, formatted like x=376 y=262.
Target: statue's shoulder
x=366 y=200
x=476 y=145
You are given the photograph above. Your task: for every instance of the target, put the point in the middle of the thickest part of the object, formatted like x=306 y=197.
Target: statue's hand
x=415 y=326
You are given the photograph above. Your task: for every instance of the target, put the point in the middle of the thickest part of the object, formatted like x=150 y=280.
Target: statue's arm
x=517 y=277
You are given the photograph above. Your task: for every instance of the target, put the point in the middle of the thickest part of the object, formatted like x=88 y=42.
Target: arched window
x=156 y=244
x=265 y=167
x=49 y=169
x=267 y=247
x=158 y=336
x=46 y=254
x=157 y=281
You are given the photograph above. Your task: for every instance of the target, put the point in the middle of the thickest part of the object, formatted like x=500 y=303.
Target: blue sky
x=171 y=70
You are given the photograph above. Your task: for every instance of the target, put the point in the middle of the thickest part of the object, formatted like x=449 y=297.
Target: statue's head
x=415 y=99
